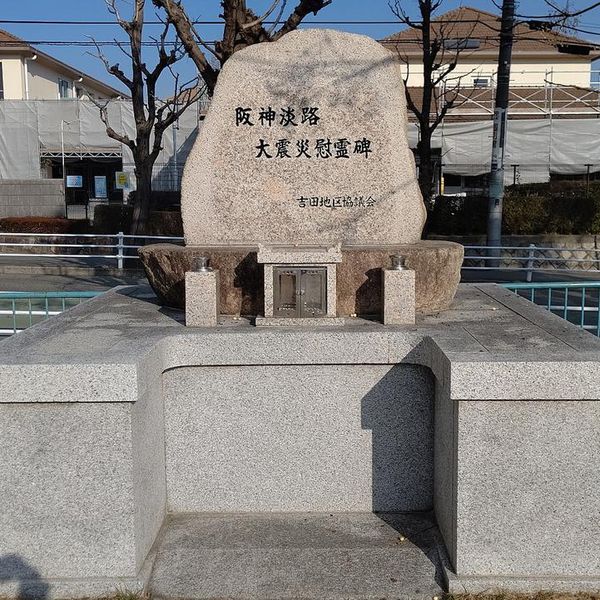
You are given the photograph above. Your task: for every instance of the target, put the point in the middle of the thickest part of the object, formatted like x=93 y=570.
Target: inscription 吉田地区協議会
x=334 y=202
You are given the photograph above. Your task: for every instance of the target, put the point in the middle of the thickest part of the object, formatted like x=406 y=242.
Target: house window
x=481 y=82
x=1 y=83
x=64 y=89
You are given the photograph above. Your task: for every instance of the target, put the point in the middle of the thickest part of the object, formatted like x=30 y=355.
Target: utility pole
x=496 y=193
x=62 y=158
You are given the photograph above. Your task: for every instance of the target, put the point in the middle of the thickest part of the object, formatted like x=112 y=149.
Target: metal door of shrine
x=299 y=292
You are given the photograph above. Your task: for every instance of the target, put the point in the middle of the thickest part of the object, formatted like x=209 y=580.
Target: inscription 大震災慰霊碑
x=298 y=147
x=334 y=202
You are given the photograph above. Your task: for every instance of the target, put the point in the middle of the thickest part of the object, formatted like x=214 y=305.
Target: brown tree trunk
x=142 y=202
x=426 y=170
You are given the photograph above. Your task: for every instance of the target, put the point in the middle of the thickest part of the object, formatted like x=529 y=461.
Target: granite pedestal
x=114 y=415
x=398 y=297
x=202 y=298
x=358 y=285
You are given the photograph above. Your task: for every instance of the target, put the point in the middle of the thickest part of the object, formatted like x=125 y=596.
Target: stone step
x=277 y=556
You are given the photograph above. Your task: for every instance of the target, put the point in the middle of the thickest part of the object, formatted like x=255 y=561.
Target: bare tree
x=566 y=20
x=562 y=11
x=152 y=115
x=242 y=28
x=562 y=16
x=441 y=49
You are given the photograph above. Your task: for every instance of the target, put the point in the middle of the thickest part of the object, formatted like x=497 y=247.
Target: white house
x=539 y=56
x=554 y=102
x=29 y=74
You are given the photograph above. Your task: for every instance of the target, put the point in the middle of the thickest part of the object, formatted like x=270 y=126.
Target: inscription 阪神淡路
x=298 y=147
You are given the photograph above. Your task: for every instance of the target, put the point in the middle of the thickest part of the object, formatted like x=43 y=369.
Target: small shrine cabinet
x=300 y=281
x=299 y=292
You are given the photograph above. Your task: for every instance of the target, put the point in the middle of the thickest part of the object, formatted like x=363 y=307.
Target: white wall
x=12 y=75
x=524 y=72
x=43 y=82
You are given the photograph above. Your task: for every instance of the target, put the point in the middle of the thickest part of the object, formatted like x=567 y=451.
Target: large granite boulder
x=241 y=277
x=305 y=142
x=437 y=266
x=437 y=275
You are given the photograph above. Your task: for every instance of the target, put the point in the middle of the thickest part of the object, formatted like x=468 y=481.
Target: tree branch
x=260 y=20
x=103 y=108
x=186 y=34
x=298 y=15
x=561 y=12
x=112 y=69
x=277 y=19
x=402 y=15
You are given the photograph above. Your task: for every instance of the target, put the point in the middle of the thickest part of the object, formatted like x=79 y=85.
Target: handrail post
x=530 y=262
x=120 y=249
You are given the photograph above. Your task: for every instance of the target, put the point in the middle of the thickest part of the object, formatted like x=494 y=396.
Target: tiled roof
x=470 y=23
x=11 y=40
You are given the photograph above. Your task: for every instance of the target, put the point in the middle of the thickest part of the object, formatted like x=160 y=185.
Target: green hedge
x=165 y=222
x=112 y=218
x=161 y=200
x=557 y=207
x=43 y=225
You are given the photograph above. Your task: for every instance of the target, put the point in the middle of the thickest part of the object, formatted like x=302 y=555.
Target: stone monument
x=305 y=146
x=455 y=451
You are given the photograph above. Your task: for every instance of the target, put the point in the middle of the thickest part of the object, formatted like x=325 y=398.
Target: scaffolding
x=30 y=132
x=34 y=131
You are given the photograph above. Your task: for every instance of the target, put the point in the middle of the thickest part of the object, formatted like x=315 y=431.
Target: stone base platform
x=305 y=322
x=298 y=555
x=114 y=417
x=359 y=286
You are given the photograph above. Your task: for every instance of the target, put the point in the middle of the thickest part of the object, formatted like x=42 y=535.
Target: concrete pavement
x=299 y=555
x=27 y=282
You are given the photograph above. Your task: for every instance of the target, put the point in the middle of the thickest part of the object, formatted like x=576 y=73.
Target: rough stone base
x=359 y=281
x=437 y=275
x=241 y=276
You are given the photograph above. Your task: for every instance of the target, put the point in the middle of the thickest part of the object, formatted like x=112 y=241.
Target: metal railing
x=118 y=247
x=532 y=258
x=577 y=303
x=19 y=310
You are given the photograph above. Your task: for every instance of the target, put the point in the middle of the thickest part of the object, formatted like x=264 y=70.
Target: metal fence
x=111 y=247
x=577 y=303
x=532 y=258
x=19 y=310
x=117 y=249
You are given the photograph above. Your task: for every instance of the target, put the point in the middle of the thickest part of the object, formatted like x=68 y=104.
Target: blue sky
x=370 y=10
